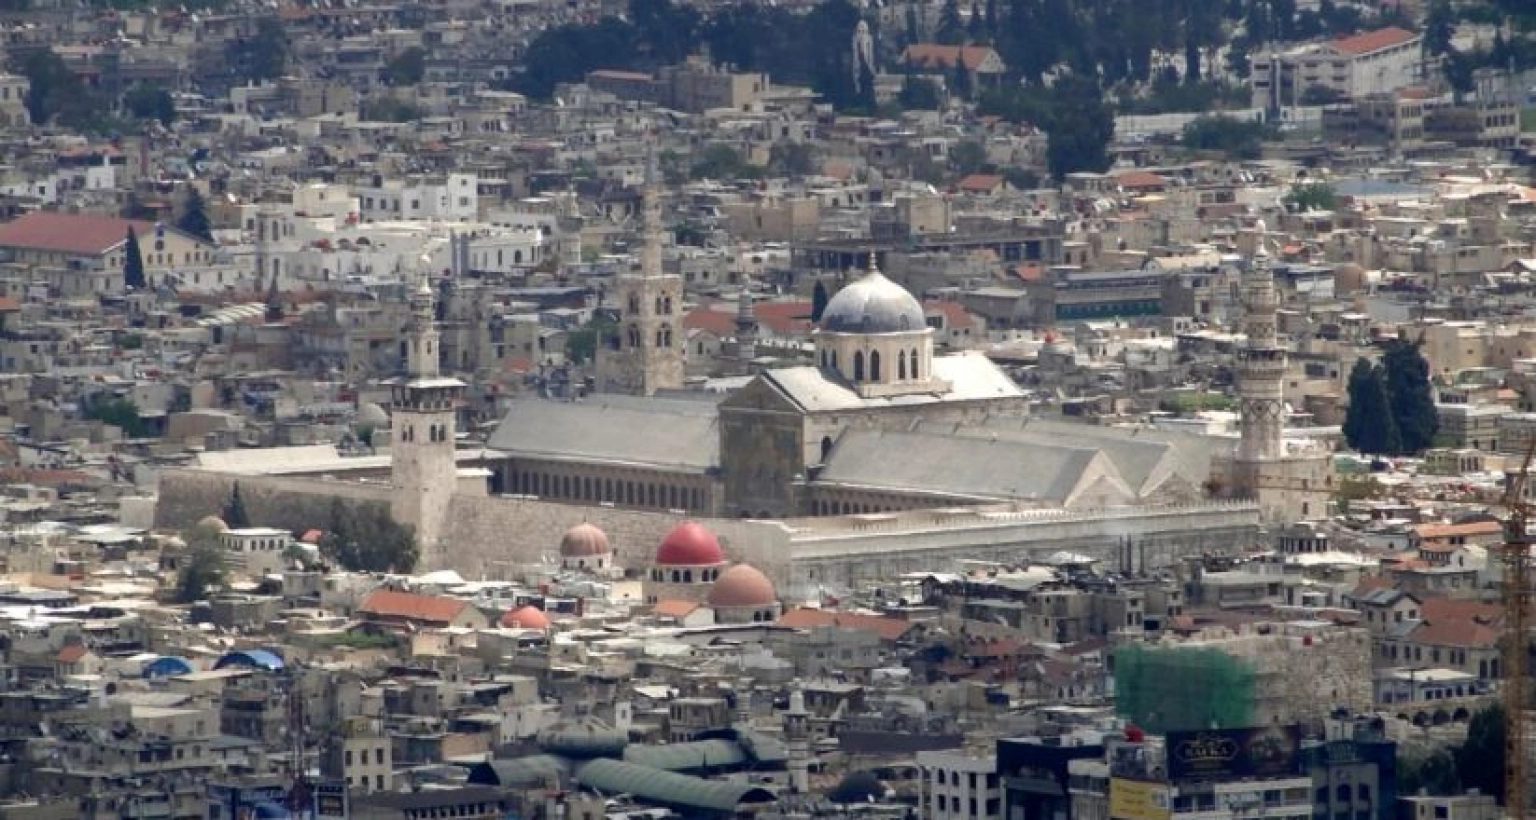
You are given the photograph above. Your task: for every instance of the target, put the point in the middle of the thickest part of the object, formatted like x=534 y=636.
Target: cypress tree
x=133 y=262
x=1369 y=426
x=819 y=300
x=194 y=216
x=234 y=512
x=1411 y=394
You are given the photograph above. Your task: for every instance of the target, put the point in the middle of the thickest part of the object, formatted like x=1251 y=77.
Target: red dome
x=525 y=617
x=742 y=586
x=584 y=541
x=689 y=544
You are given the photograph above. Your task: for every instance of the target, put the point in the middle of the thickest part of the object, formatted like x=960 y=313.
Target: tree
x=1439 y=27
x=1432 y=773
x=1369 y=425
x=194 y=215
x=133 y=262
x=1322 y=95
x=234 y=511
x=1310 y=196
x=1480 y=758
x=368 y=540
x=791 y=159
x=261 y=56
x=202 y=565
x=407 y=68
x=968 y=157
x=150 y=102
x=120 y=413
x=581 y=345
x=819 y=300
x=1080 y=129
x=1413 y=398
x=55 y=94
x=1238 y=139
x=919 y=93
x=721 y=161
x=951 y=29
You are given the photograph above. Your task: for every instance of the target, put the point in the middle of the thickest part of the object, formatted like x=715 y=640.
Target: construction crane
x=1515 y=651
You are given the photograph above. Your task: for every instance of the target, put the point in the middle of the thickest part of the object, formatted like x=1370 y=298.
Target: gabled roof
x=1367 y=42
x=79 y=234
x=411 y=607
x=1461 y=633
x=1475 y=528
x=942 y=56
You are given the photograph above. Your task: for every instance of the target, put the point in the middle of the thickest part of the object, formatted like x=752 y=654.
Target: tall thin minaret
x=646 y=354
x=1261 y=363
x=746 y=327
x=423 y=469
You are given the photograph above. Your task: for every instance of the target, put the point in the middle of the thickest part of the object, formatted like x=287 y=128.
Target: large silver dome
x=873 y=304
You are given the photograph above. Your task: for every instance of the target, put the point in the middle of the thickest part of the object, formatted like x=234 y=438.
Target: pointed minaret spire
x=650 y=255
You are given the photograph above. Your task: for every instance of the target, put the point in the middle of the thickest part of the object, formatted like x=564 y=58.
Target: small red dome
x=525 y=617
x=584 y=541
x=689 y=544
x=742 y=586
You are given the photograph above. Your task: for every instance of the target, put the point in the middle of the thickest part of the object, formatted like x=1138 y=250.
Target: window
x=874 y=366
x=858 y=366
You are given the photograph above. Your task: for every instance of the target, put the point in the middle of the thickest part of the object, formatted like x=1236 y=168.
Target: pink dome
x=742 y=586
x=689 y=544
x=584 y=541
x=525 y=617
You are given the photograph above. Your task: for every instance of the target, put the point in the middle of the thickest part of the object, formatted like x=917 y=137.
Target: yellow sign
x=1136 y=800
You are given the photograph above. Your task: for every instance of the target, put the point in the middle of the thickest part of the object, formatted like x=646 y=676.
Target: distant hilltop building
x=1372 y=62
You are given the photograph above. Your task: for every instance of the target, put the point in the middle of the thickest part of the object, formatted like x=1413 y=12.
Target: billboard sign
x=1138 y=800
x=1230 y=754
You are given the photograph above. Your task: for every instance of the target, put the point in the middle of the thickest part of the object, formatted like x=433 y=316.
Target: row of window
x=905 y=364
x=436 y=433
x=628 y=493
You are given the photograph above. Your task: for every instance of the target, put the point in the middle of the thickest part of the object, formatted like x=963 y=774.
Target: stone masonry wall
x=297 y=504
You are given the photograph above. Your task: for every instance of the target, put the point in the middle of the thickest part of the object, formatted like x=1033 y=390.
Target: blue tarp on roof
x=165 y=666
x=253 y=659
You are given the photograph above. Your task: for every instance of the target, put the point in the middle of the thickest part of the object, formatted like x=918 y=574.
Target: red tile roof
x=1436 y=531
x=981 y=183
x=954 y=313
x=81 y=234
x=785 y=318
x=718 y=322
x=1368 y=42
x=1141 y=180
x=1455 y=633
x=941 y=56
x=889 y=629
x=72 y=653
x=1441 y=609
x=410 y=607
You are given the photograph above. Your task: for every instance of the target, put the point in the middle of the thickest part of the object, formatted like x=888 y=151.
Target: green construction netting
x=1164 y=689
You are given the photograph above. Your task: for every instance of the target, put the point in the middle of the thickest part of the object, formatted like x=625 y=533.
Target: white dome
x=372 y=415
x=873 y=304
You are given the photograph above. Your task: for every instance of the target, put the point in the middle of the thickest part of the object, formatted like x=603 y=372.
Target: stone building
x=646 y=353
x=1291 y=480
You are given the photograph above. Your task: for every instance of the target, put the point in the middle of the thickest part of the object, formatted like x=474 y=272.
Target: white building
x=1372 y=62
x=256 y=550
x=451 y=197
x=956 y=786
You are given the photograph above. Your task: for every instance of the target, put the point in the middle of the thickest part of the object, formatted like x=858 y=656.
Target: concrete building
x=957 y=786
x=1372 y=62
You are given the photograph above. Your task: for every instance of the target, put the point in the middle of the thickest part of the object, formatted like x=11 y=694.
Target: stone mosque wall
x=287 y=502
x=492 y=537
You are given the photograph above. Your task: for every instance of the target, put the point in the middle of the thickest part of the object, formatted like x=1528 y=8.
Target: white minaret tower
x=422 y=464
x=1261 y=364
x=863 y=53
x=647 y=353
x=797 y=740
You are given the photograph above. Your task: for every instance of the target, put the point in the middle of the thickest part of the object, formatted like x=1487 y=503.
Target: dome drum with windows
x=874 y=335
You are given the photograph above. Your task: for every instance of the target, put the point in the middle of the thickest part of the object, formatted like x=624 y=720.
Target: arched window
x=666 y=305
x=901 y=364
x=1345 y=794
x=826 y=447
x=858 y=366
x=666 y=335
x=658 y=337
x=834 y=360
x=658 y=304
x=634 y=336
x=914 y=358
x=874 y=366
x=634 y=303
